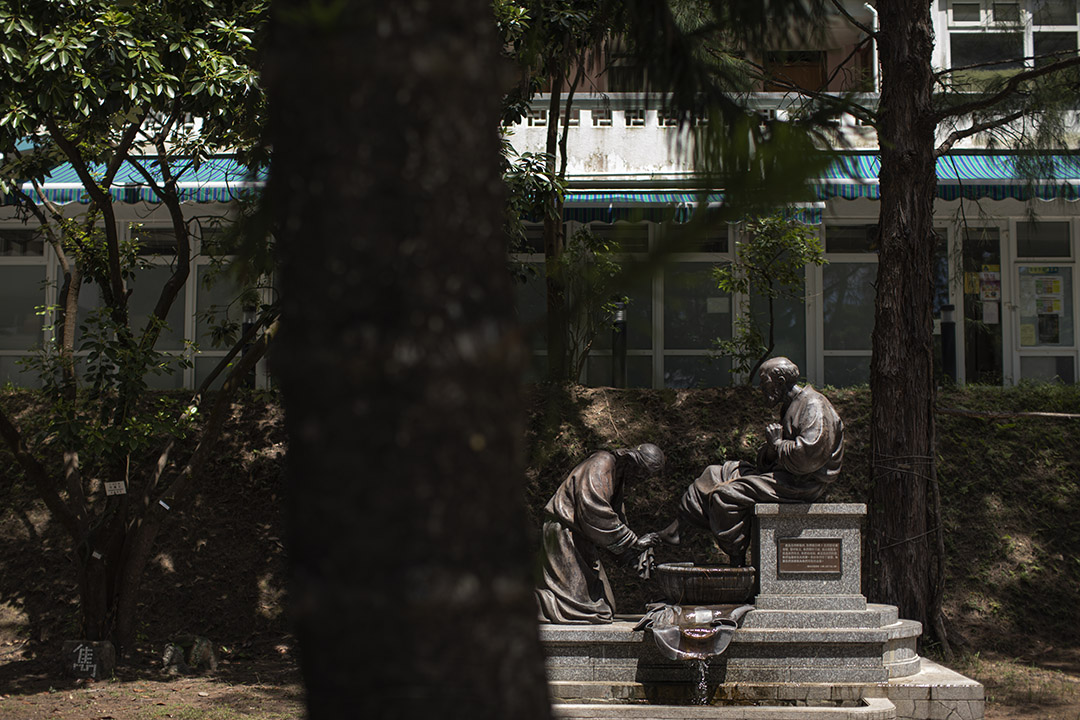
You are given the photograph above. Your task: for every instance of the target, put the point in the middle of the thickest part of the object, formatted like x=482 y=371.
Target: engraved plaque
x=808 y=555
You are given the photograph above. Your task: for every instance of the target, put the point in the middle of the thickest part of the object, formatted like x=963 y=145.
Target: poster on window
x=989 y=286
x=1046 y=314
x=1049 y=330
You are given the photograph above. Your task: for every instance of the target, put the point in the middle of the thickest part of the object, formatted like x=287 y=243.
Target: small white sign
x=717 y=305
x=116 y=488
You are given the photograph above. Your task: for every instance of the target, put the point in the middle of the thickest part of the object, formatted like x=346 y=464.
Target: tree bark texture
x=400 y=365
x=558 y=310
x=901 y=377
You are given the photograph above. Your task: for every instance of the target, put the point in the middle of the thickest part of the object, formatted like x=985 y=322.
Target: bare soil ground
x=1012 y=520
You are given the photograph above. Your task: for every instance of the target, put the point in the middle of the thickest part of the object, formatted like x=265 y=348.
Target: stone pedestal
x=809 y=557
x=811 y=639
x=811 y=622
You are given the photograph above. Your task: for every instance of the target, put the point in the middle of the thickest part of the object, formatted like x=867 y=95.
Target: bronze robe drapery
x=798 y=469
x=584 y=518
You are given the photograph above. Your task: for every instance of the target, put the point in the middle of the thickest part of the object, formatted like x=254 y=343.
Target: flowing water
x=702 y=695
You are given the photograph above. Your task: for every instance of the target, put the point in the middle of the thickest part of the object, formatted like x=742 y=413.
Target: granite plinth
x=811 y=638
x=868 y=709
x=839 y=522
x=873 y=616
x=933 y=692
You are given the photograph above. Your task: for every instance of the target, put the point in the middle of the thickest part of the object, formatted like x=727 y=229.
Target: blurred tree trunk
x=400 y=366
x=901 y=375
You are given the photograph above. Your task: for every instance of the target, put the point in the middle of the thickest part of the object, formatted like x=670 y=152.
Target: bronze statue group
x=585 y=520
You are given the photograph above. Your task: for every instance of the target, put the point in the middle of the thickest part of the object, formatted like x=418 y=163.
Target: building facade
x=1007 y=244
x=1008 y=237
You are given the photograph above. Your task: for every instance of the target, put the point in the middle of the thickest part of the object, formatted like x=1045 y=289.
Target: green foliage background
x=1010 y=490
x=1009 y=485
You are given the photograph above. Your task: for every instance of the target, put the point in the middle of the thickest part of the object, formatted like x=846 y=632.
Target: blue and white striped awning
x=614 y=205
x=217 y=179
x=969 y=175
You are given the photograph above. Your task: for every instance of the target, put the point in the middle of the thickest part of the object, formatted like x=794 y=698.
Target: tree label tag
x=116 y=488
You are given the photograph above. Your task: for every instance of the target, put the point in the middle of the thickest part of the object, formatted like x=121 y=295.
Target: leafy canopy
x=89 y=69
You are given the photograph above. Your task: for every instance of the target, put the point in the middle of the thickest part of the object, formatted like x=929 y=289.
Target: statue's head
x=646 y=460
x=777 y=376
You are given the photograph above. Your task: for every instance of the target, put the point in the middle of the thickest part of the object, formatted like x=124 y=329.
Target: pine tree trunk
x=399 y=365
x=558 y=304
x=901 y=377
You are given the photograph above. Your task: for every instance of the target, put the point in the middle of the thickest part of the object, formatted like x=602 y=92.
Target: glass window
x=981 y=263
x=638 y=371
x=1006 y=12
x=530 y=300
x=804 y=69
x=222 y=298
x=166 y=380
x=145 y=289
x=21 y=242
x=696 y=371
x=639 y=313
x=843 y=371
x=625 y=76
x=89 y=299
x=22 y=291
x=1054 y=12
x=696 y=312
x=851 y=238
x=13 y=371
x=534 y=238
x=966 y=12
x=790 y=325
x=1051 y=43
x=941 y=270
x=993 y=52
x=154 y=241
x=696 y=238
x=1046 y=311
x=629 y=237
x=203 y=367
x=848 y=305
x=1042 y=239
x=1051 y=369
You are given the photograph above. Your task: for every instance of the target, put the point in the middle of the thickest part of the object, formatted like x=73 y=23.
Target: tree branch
x=843 y=11
x=175 y=284
x=842 y=63
x=73 y=521
x=121 y=152
x=1005 y=415
x=246 y=338
x=845 y=105
x=1011 y=88
x=219 y=412
x=958 y=135
x=114 y=289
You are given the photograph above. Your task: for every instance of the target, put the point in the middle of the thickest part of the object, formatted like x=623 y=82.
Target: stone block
x=871 y=617
x=810 y=602
x=86 y=659
x=815 y=524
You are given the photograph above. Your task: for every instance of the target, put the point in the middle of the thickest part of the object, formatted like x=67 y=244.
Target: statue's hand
x=774 y=432
x=647 y=541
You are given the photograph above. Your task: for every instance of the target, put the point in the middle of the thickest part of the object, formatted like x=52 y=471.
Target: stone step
x=866 y=709
x=901 y=629
x=874 y=616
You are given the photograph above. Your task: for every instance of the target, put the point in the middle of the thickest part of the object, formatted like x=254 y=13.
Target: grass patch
x=1014 y=682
